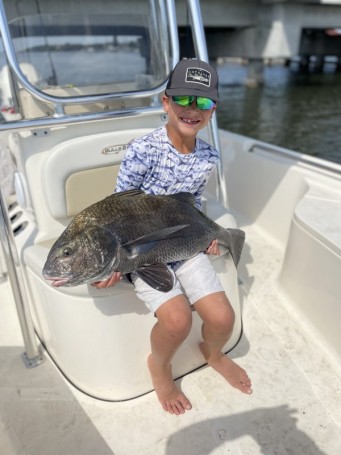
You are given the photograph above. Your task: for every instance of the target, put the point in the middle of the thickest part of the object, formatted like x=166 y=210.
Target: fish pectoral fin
x=158 y=276
x=146 y=242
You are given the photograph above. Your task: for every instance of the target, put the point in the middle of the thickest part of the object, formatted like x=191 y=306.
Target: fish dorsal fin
x=158 y=276
x=189 y=198
x=128 y=193
x=146 y=242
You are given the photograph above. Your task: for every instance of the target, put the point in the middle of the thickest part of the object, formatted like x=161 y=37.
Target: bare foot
x=232 y=372
x=171 y=398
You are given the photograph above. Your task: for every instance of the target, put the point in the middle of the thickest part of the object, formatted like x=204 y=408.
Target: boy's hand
x=111 y=281
x=213 y=248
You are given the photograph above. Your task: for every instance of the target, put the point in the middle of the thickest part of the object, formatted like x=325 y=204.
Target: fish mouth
x=57 y=281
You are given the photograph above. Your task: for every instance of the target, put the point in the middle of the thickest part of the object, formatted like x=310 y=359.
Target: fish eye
x=67 y=252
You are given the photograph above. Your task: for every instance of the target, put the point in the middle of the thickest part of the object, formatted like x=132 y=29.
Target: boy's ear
x=165 y=102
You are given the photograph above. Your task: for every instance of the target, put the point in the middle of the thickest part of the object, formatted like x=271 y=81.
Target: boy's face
x=187 y=121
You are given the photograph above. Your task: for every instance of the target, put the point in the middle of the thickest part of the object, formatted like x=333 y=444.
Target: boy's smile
x=189 y=120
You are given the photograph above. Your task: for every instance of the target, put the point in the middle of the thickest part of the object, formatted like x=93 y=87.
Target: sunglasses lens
x=205 y=103
x=184 y=100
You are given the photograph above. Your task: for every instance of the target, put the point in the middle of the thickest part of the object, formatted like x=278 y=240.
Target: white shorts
x=195 y=278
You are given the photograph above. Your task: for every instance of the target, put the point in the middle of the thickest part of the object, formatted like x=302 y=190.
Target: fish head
x=87 y=257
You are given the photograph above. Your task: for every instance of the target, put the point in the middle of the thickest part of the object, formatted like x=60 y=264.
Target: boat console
x=83 y=86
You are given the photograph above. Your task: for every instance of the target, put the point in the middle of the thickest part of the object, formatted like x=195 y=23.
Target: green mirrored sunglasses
x=186 y=100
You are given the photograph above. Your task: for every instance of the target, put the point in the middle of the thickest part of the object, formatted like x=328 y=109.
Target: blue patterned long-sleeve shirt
x=152 y=164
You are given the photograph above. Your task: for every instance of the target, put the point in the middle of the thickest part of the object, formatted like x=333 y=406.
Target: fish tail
x=234 y=240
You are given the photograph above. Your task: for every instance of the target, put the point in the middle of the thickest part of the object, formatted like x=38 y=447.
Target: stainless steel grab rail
x=32 y=355
x=298 y=157
x=59 y=101
x=79 y=118
x=201 y=51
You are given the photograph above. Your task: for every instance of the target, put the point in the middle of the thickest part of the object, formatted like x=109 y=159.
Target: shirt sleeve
x=133 y=167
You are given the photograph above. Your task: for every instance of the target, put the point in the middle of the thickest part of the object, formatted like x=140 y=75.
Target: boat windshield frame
x=168 y=17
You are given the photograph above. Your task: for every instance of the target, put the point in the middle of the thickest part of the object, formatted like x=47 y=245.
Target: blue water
x=299 y=112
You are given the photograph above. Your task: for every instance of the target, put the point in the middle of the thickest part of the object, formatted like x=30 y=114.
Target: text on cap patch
x=199 y=76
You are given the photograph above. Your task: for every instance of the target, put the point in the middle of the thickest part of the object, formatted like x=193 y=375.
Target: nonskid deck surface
x=295 y=407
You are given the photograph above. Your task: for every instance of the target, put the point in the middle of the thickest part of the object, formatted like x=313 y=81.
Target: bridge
x=265 y=30
x=257 y=31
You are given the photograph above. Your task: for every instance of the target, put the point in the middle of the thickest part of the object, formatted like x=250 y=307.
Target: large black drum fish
x=135 y=232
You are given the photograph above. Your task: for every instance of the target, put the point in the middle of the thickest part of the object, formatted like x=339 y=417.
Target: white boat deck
x=295 y=407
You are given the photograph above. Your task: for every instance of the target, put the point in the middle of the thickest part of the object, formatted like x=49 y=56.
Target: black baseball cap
x=193 y=77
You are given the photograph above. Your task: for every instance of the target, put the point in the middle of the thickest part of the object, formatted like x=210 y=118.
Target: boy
x=169 y=160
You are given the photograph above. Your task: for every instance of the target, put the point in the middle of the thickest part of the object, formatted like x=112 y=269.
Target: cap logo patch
x=198 y=76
